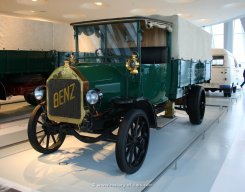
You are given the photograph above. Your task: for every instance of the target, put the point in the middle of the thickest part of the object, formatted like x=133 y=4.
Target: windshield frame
x=106 y=57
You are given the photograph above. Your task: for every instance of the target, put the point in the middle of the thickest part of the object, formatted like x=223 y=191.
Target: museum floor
x=181 y=156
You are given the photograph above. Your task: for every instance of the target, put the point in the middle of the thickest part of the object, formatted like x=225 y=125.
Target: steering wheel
x=99 y=52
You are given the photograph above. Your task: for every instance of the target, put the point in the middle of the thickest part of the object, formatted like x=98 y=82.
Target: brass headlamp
x=132 y=63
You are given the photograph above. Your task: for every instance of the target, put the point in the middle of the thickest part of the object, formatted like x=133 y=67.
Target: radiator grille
x=64 y=98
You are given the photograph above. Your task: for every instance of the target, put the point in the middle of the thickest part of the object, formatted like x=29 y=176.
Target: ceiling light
x=32 y=2
x=185 y=15
x=98 y=3
x=179 y=1
x=94 y=6
x=26 y=12
x=203 y=20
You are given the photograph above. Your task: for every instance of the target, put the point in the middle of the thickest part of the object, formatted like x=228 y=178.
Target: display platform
x=14 y=114
x=13 y=109
x=215 y=163
x=217 y=98
x=91 y=167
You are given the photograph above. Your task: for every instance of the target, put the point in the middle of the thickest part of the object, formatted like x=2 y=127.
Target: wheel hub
x=141 y=141
x=135 y=139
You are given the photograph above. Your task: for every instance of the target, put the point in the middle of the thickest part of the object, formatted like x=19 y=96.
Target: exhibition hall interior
x=130 y=95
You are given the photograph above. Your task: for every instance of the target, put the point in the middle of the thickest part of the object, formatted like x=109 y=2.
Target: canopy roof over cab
x=188 y=40
x=150 y=21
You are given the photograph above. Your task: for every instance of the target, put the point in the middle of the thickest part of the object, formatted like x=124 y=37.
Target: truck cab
x=225 y=73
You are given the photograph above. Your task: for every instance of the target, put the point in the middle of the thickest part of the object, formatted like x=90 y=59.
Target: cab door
x=154 y=74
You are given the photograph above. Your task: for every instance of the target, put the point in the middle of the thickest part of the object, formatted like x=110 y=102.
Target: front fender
x=139 y=103
x=148 y=109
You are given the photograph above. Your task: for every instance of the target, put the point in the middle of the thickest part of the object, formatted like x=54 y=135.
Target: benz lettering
x=64 y=95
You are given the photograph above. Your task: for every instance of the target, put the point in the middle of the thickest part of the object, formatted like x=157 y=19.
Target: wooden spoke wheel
x=133 y=139
x=42 y=136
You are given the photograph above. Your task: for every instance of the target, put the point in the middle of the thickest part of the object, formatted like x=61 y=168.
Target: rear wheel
x=133 y=139
x=41 y=134
x=196 y=102
x=227 y=92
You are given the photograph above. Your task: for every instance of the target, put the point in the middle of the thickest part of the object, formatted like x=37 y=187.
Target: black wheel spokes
x=140 y=129
x=41 y=140
x=47 y=143
x=136 y=127
x=40 y=130
x=133 y=129
x=48 y=139
x=55 y=141
x=40 y=122
x=136 y=142
x=131 y=154
x=130 y=148
x=129 y=142
x=53 y=138
x=141 y=145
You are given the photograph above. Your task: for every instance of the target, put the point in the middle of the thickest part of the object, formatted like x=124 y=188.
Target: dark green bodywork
x=25 y=62
x=21 y=71
x=183 y=73
x=157 y=80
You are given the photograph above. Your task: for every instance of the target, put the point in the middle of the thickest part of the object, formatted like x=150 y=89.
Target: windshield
x=106 y=43
x=218 y=60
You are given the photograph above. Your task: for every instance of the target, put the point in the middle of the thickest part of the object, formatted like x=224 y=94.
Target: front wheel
x=133 y=139
x=42 y=136
x=196 y=102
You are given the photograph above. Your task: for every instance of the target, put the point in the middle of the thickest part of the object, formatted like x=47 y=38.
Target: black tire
x=227 y=92
x=133 y=139
x=234 y=89
x=41 y=136
x=196 y=102
x=31 y=99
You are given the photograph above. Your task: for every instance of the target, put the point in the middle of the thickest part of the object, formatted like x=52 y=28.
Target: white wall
x=23 y=34
x=63 y=37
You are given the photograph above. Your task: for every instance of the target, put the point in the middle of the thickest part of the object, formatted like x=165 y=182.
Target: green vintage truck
x=124 y=72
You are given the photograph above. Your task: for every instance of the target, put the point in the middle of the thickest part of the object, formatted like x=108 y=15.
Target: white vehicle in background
x=225 y=73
